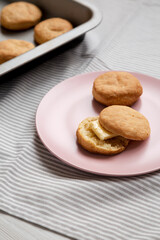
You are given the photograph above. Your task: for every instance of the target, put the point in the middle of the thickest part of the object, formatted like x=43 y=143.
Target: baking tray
x=82 y=14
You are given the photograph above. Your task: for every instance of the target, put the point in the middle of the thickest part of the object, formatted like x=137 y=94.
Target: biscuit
x=117 y=88
x=125 y=121
x=51 y=28
x=89 y=141
x=20 y=16
x=12 y=48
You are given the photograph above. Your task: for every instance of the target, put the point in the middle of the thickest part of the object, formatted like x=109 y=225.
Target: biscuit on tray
x=12 y=48
x=117 y=88
x=51 y=28
x=20 y=16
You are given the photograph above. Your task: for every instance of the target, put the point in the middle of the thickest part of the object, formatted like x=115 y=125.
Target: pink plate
x=68 y=103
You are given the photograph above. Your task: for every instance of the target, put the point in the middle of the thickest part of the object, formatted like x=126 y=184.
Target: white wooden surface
x=12 y=228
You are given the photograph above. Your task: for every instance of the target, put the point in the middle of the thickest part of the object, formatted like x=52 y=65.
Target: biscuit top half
x=125 y=121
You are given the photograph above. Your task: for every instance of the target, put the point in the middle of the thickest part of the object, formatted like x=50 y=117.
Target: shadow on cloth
x=57 y=167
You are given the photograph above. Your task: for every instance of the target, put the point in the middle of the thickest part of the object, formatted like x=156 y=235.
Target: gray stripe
x=38 y=187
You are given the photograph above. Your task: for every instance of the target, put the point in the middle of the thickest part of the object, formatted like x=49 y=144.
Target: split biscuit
x=12 y=48
x=117 y=88
x=89 y=140
x=125 y=121
x=20 y=16
x=51 y=28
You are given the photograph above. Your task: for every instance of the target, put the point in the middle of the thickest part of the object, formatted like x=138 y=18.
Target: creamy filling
x=100 y=132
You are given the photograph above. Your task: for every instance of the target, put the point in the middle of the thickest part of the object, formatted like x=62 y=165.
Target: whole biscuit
x=117 y=88
x=20 y=16
x=12 y=48
x=89 y=141
x=125 y=121
x=51 y=28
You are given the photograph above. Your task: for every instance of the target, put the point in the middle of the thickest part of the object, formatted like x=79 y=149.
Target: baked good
x=117 y=88
x=12 y=48
x=125 y=121
x=20 y=16
x=89 y=140
x=111 y=132
x=51 y=28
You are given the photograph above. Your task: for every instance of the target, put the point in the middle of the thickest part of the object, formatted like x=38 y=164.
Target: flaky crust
x=51 y=28
x=125 y=121
x=89 y=141
x=20 y=16
x=117 y=88
x=12 y=48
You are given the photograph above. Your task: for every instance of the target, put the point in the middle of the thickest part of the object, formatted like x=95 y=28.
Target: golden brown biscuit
x=125 y=121
x=12 y=48
x=89 y=141
x=20 y=16
x=51 y=28
x=117 y=88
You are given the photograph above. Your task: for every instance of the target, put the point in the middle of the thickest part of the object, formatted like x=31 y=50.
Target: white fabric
x=36 y=186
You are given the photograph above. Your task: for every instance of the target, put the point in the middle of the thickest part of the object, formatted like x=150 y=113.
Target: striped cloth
x=36 y=186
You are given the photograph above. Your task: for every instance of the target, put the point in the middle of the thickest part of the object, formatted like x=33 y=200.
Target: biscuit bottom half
x=89 y=141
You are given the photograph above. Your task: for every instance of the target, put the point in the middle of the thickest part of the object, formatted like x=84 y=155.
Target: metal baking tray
x=83 y=15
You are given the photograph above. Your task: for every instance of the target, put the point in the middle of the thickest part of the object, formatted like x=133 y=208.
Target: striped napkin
x=36 y=186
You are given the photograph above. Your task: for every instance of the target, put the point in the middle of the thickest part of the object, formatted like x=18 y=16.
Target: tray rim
x=42 y=49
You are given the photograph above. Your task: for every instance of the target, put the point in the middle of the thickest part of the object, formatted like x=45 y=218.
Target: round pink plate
x=68 y=103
